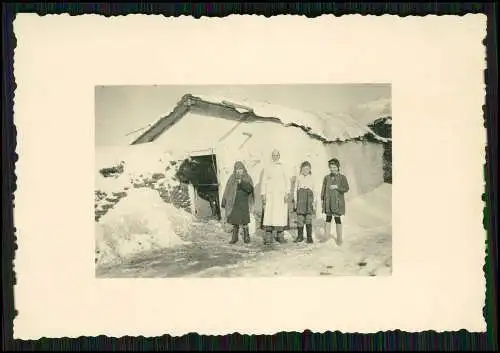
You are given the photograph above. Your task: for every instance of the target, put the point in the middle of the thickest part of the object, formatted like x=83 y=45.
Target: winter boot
x=328 y=230
x=246 y=235
x=338 y=228
x=268 y=237
x=309 y=231
x=280 y=238
x=236 y=230
x=300 y=235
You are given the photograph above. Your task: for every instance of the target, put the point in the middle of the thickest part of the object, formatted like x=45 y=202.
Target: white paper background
x=435 y=65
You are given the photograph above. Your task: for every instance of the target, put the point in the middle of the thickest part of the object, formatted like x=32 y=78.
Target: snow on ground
x=137 y=211
x=367 y=249
x=140 y=222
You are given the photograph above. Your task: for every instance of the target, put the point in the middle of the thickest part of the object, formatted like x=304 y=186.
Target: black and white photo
x=243 y=180
x=180 y=175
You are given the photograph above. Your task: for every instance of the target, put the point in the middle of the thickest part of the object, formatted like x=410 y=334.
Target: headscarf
x=275 y=150
x=304 y=164
x=232 y=185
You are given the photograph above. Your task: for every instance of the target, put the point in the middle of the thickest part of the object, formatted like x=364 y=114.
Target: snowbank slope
x=140 y=222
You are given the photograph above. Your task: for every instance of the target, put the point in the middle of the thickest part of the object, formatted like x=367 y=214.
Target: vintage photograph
x=243 y=180
x=237 y=165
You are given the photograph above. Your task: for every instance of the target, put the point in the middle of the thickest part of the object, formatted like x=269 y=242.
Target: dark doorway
x=201 y=172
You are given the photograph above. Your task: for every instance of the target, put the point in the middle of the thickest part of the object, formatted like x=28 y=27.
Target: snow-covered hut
x=217 y=131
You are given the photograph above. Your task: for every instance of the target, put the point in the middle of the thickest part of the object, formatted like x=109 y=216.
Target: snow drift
x=140 y=222
x=143 y=166
x=374 y=209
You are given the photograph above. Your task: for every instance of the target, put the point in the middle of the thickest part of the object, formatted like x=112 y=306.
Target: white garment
x=304 y=182
x=275 y=187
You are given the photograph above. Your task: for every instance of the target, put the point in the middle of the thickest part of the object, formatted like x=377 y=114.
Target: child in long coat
x=335 y=185
x=304 y=203
x=238 y=200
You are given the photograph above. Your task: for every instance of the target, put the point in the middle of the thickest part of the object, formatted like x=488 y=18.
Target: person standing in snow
x=275 y=193
x=304 y=202
x=237 y=200
x=335 y=185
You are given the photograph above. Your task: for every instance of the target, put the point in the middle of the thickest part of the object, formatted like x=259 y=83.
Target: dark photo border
x=295 y=341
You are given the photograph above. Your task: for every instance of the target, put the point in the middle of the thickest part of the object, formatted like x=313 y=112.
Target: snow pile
x=141 y=222
x=371 y=210
x=144 y=166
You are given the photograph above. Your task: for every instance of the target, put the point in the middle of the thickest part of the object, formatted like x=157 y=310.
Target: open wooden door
x=192 y=198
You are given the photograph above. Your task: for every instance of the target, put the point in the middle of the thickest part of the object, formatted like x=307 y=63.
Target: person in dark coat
x=304 y=202
x=238 y=200
x=335 y=185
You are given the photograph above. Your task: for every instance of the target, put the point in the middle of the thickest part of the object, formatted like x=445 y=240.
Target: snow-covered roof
x=326 y=126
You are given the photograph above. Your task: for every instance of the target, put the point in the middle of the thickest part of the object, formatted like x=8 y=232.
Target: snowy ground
x=205 y=251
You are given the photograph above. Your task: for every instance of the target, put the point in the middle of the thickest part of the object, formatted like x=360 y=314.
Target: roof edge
x=189 y=99
x=184 y=102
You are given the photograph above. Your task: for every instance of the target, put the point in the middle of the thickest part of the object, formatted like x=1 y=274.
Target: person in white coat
x=275 y=193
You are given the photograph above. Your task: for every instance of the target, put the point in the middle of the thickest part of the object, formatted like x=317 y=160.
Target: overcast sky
x=120 y=110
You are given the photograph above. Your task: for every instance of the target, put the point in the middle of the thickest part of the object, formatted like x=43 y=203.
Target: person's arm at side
x=323 y=189
x=263 y=187
x=294 y=195
x=287 y=186
x=343 y=186
x=315 y=194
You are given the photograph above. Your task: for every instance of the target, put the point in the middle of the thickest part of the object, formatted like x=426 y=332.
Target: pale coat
x=275 y=187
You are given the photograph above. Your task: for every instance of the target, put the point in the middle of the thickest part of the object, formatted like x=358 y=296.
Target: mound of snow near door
x=140 y=222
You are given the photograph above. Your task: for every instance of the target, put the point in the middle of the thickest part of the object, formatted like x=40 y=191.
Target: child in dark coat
x=304 y=202
x=238 y=201
x=335 y=185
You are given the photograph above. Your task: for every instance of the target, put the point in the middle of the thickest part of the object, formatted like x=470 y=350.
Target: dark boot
x=280 y=238
x=236 y=230
x=246 y=235
x=268 y=237
x=300 y=234
x=309 y=233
